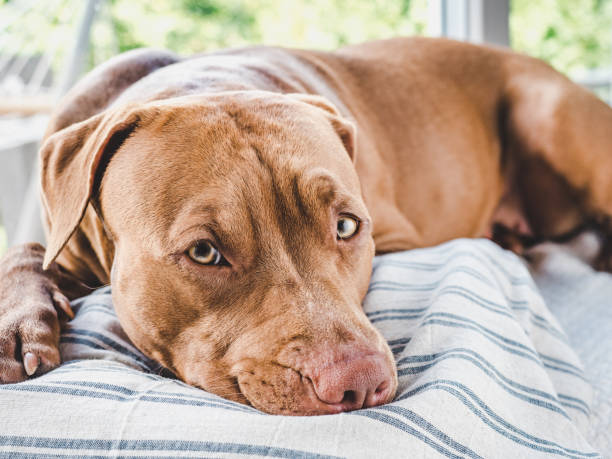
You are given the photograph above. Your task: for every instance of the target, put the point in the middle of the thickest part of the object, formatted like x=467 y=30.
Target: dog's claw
x=64 y=304
x=30 y=363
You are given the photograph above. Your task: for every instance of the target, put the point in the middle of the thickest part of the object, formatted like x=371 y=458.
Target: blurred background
x=46 y=45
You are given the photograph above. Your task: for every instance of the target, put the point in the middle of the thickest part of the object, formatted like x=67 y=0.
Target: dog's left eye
x=204 y=253
x=347 y=227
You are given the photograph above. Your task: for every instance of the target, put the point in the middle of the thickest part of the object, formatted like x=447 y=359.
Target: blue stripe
x=456 y=254
x=512 y=259
x=485 y=330
x=34 y=455
x=156 y=445
x=94 y=345
x=484 y=303
x=502 y=346
x=575 y=400
x=398 y=349
x=102 y=365
x=96 y=385
x=429 y=427
x=506 y=340
x=136 y=355
x=501 y=380
x=398 y=345
x=561 y=362
x=506 y=429
x=203 y=395
x=498 y=336
x=479 y=362
x=430 y=357
x=546 y=326
x=576 y=407
x=396 y=317
x=420 y=266
x=407 y=314
x=401 y=310
x=41 y=388
x=455 y=270
x=395 y=342
x=106 y=366
x=565 y=370
x=402 y=286
x=405 y=428
x=470 y=295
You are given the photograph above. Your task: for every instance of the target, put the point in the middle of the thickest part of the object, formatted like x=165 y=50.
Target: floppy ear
x=69 y=162
x=345 y=129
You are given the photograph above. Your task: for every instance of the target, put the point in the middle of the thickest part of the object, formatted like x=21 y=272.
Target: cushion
x=485 y=370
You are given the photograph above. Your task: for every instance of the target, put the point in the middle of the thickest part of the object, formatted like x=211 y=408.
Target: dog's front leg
x=33 y=302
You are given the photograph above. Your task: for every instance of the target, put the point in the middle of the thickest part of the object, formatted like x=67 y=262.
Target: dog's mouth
x=240 y=390
x=283 y=390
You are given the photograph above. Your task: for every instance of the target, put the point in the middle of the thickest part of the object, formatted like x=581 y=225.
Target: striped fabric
x=485 y=371
x=580 y=298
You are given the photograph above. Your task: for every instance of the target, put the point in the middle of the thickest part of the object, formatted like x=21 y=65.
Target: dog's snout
x=359 y=382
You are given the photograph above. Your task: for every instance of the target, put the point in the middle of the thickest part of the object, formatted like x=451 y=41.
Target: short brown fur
x=261 y=150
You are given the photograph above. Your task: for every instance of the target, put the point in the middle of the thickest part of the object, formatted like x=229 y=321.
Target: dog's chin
x=288 y=397
x=281 y=390
x=246 y=389
x=229 y=389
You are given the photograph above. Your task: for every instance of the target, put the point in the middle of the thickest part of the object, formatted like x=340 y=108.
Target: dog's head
x=243 y=248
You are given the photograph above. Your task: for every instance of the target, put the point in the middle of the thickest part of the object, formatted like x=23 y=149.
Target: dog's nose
x=360 y=382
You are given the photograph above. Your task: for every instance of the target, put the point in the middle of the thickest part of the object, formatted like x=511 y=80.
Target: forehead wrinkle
x=317 y=189
x=320 y=188
x=191 y=216
x=279 y=241
x=297 y=196
x=221 y=219
x=258 y=206
x=231 y=230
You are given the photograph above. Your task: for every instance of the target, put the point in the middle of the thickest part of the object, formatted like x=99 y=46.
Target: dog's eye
x=347 y=227
x=204 y=253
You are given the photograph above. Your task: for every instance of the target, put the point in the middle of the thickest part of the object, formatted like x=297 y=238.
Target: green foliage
x=201 y=8
x=188 y=26
x=571 y=35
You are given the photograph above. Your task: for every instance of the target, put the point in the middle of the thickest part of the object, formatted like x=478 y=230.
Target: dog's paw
x=31 y=307
x=30 y=332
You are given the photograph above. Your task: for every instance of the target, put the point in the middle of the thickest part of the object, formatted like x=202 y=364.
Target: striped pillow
x=485 y=371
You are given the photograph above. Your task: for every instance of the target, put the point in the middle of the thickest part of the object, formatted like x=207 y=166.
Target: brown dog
x=235 y=210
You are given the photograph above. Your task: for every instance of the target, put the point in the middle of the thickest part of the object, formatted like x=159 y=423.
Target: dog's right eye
x=204 y=253
x=347 y=227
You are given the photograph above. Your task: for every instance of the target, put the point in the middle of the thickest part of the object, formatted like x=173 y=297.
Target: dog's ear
x=345 y=129
x=69 y=162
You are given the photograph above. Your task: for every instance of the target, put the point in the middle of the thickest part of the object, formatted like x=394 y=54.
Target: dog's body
x=255 y=150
